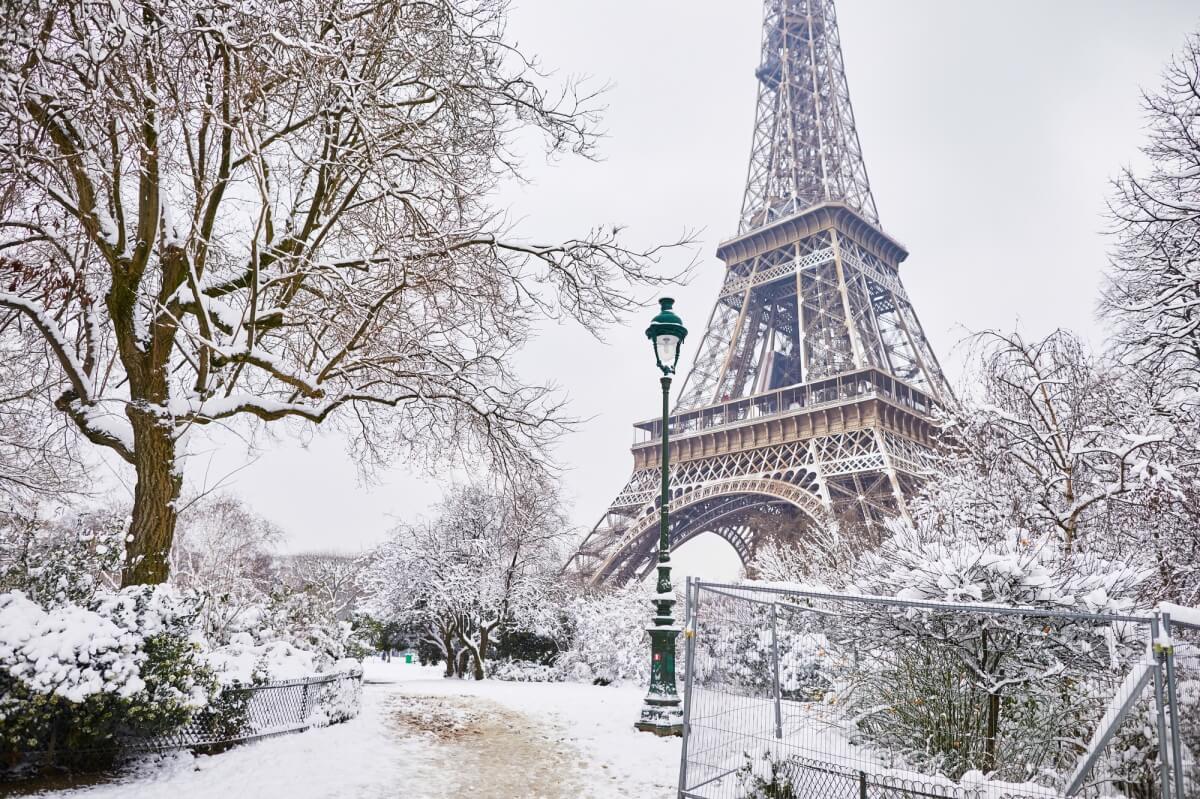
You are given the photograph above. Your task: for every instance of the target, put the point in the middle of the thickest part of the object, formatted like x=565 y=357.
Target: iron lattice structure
x=813 y=388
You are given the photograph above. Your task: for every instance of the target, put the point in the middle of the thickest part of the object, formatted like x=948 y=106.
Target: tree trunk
x=447 y=640
x=462 y=663
x=479 y=654
x=152 y=527
x=993 y=709
x=993 y=730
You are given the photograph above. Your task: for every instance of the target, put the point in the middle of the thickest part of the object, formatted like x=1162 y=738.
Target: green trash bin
x=408 y=658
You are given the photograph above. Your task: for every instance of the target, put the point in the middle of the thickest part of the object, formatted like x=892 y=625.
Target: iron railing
x=793 y=693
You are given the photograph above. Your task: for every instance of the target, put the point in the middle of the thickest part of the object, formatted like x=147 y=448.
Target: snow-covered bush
x=78 y=679
x=486 y=565
x=1131 y=762
x=222 y=551
x=245 y=661
x=920 y=561
x=607 y=635
x=338 y=700
x=1188 y=693
x=1131 y=759
x=807 y=666
x=524 y=671
x=294 y=617
x=774 y=778
x=530 y=647
x=284 y=637
x=954 y=691
x=63 y=559
x=75 y=679
x=83 y=666
x=733 y=646
x=265 y=620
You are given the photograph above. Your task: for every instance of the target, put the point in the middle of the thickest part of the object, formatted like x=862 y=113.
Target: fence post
x=775 y=665
x=691 y=603
x=1160 y=712
x=304 y=704
x=862 y=785
x=1173 y=701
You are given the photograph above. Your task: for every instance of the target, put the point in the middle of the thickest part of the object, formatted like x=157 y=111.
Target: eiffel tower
x=812 y=392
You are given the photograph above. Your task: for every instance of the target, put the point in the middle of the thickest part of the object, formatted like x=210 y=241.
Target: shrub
x=77 y=680
x=957 y=692
x=523 y=671
x=1131 y=759
x=428 y=653
x=338 y=699
x=807 y=667
x=608 y=639
x=775 y=779
x=526 y=646
x=67 y=559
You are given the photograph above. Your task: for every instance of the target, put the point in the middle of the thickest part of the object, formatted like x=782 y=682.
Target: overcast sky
x=990 y=132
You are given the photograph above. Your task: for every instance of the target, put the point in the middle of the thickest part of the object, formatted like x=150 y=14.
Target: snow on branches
x=488 y=560
x=960 y=688
x=1051 y=441
x=220 y=211
x=607 y=636
x=922 y=563
x=1153 y=289
x=75 y=651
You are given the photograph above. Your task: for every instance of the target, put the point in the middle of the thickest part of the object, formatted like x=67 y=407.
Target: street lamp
x=661 y=711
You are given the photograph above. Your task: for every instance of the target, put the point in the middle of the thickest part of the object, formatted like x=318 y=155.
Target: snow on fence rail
x=835 y=696
x=257 y=711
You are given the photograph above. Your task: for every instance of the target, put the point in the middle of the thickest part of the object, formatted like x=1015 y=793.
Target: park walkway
x=422 y=737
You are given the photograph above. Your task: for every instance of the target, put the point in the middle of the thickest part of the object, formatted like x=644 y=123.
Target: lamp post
x=661 y=711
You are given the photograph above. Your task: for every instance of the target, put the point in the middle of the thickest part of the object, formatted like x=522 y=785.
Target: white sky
x=989 y=131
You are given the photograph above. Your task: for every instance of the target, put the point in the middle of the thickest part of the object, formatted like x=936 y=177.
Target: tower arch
x=729 y=509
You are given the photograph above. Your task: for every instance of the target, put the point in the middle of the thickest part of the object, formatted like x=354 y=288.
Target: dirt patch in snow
x=487 y=750
x=437 y=717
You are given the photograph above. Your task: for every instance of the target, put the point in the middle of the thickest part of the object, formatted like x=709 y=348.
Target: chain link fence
x=258 y=711
x=794 y=694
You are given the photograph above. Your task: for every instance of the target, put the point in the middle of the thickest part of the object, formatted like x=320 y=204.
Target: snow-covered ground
x=423 y=736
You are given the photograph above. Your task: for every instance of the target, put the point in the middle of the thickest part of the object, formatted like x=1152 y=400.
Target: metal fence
x=258 y=711
x=793 y=694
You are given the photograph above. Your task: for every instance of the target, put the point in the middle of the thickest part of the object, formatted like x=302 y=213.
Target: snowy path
x=487 y=750
x=422 y=737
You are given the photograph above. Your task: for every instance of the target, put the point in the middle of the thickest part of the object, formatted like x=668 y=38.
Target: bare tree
x=1053 y=428
x=223 y=550
x=1152 y=297
x=330 y=579
x=1057 y=451
x=37 y=457
x=487 y=560
x=790 y=548
x=213 y=211
x=1153 y=289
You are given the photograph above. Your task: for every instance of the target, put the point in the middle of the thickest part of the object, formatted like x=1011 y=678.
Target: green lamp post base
x=662 y=710
x=664 y=720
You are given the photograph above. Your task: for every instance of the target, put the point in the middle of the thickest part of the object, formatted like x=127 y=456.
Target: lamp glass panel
x=667 y=348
